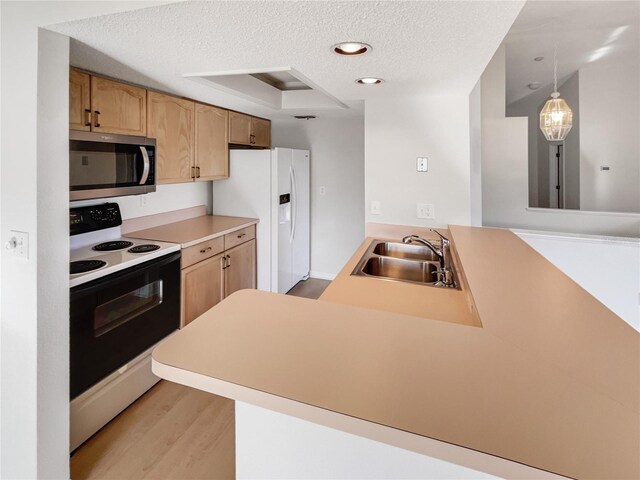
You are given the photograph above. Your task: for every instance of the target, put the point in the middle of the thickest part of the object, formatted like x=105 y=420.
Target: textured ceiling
x=419 y=47
x=585 y=31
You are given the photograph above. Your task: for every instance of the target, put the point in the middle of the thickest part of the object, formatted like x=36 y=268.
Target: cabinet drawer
x=202 y=251
x=239 y=236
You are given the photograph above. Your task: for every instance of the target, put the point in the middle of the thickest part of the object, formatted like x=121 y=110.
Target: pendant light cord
x=555 y=68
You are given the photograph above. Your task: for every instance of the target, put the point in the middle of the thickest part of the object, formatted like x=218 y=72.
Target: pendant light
x=556 y=118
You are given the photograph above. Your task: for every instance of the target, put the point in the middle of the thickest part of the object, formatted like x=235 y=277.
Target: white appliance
x=272 y=185
x=124 y=299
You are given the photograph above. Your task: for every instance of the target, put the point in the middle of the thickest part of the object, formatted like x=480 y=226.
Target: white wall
x=166 y=198
x=475 y=145
x=337 y=164
x=607 y=268
x=505 y=172
x=610 y=135
x=397 y=130
x=34 y=334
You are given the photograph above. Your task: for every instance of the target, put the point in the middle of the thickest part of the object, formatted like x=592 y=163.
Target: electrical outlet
x=422 y=164
x=143 y=200
x=376 y=208
x=323 y=191
x=425 y=210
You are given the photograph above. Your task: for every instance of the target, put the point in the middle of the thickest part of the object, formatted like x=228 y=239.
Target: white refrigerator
x=272 y=185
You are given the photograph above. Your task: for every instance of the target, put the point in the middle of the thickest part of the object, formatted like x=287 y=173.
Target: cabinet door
x=170 y=122
x=261 y=131
x=118 y=108
x=241 y=268
x=79 y=101
x=239 y=128
x=202 y=288
x=211 y=146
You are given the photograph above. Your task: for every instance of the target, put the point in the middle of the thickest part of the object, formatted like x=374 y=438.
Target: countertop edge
x=448 y=452
x=219 y=234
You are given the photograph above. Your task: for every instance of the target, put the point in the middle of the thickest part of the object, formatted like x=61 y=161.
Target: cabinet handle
x=97 y=119
x=224 y=262
x=252 y=139
x=197 y=172
x=228 y=260
x=241 y=235
x=87 y=117
x=193 y=172
x=205 y=250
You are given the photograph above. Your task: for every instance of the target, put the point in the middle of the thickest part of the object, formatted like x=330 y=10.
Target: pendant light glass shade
x=556 y=119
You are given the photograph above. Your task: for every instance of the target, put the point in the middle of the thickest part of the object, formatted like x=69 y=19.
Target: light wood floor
x=171 y=432
x=311 y=288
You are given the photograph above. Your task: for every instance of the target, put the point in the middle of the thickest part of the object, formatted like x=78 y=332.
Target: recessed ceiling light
x=534 y=85
x=369 y=81
x=539 y=59
x=351 y=48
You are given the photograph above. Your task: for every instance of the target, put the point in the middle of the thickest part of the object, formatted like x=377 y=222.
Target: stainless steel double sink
x=401 y=262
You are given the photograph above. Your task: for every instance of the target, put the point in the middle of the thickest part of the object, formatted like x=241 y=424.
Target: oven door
x=110 y=165
x=117 y=317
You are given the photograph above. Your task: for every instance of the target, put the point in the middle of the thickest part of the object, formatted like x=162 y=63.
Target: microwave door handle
x=147 y=164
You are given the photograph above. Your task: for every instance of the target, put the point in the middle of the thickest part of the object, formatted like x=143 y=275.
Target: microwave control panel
x=94 y=217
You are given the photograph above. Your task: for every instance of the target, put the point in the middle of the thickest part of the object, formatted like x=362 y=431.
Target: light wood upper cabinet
x=202 y=287
x=261 y=131
x=239 y=128
x=211 y=143
x=79 y=101
x=118 y=107
x=248 y=130
x=240 y=271
x=170 y=120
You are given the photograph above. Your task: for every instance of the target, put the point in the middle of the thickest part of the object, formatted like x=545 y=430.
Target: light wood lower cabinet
x=206 y=282
x=240 y=268
x=202 y=287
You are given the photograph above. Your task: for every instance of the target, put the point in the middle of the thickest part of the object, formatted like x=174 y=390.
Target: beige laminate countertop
x=551 y=379
x=194 y=230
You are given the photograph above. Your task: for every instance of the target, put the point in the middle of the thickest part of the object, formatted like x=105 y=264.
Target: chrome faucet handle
x=442 y=237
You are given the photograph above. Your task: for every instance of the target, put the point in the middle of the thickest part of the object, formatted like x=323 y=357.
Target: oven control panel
x=94 y=217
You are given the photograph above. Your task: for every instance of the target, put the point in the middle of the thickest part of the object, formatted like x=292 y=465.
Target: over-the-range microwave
x=105 y=165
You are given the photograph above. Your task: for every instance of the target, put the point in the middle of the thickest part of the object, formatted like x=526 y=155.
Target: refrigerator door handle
x=294 y=203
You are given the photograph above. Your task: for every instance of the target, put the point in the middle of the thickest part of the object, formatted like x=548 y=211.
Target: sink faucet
x=444 y=274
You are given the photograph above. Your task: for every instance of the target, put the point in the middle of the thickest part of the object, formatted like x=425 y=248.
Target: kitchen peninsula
x=546 y=385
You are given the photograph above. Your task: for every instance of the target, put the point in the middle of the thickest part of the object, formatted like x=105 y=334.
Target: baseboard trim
x=322 y=275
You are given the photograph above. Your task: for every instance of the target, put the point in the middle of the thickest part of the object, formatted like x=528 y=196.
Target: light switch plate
x=422 y=164
x=323 y=191
x=425 y=210
x=18 y=244
x=376 y=208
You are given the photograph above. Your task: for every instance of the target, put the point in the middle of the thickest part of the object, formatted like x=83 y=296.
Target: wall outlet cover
x=425 y=210
x=376 y=208
x=422 y=164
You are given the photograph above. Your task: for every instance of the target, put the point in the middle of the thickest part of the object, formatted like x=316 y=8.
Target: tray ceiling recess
x=281 y=88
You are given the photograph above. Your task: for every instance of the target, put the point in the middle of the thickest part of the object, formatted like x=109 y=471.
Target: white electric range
x=124 y=299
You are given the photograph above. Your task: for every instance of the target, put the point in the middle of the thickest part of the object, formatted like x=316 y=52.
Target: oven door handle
x=146 y=166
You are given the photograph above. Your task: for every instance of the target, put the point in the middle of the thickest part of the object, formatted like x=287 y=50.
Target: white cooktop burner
x=82 y=249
